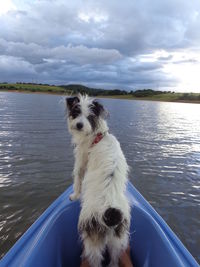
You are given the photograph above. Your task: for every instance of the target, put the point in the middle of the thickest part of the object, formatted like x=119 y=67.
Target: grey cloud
x=57 y=72
x=143 y=26
x=13 y=69
x=165 y=58
x=183 y=61
x=147 y=66
x=130 y=27
x=35 y=53
x=99 y=43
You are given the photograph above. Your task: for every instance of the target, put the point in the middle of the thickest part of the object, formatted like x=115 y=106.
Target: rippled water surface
x=160 y=140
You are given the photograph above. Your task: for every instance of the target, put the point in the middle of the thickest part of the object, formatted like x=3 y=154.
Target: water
x=161 y=142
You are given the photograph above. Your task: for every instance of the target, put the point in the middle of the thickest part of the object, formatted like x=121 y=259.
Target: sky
x=108 y=44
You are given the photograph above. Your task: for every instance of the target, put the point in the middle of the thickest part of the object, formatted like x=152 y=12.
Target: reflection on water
x=161 y=142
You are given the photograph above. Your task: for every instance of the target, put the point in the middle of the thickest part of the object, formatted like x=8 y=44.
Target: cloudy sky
x=126 y=44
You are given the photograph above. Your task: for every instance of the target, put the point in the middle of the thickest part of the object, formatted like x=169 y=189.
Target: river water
x=161 y=142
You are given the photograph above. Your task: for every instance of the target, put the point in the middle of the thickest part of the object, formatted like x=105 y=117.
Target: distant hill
x=68 y=89
x=148 y=92
x=77 y=88
x=144 y=94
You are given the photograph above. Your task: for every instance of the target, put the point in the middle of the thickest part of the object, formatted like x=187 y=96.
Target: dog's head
x=85 y=115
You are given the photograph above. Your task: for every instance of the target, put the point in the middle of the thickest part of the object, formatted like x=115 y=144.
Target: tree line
x=78 y=88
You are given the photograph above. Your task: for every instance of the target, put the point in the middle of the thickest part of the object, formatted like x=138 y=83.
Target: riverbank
x=58 y=90
x=176 y=97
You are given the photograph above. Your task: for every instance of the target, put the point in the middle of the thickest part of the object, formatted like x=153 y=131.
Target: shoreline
x=121 y=97
x=152 y=100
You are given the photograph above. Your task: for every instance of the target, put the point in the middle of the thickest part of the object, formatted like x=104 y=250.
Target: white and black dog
x=100 y=176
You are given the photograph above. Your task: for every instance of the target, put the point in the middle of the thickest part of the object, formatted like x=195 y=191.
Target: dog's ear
x=71 y=101
x=98 y=109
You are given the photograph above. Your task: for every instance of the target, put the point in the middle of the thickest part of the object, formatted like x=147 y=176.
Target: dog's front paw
x=74 y=196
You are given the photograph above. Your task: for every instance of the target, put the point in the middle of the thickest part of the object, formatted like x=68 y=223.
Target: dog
x=100 y=176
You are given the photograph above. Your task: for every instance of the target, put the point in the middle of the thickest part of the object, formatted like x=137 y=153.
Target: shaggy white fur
x=100 y=176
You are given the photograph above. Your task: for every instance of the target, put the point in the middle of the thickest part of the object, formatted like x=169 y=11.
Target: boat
x=53 y=240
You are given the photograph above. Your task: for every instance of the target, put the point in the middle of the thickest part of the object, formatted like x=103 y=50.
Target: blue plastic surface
x=53 y=241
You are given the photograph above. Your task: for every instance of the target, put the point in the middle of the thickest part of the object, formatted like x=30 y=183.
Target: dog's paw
x=74 y=196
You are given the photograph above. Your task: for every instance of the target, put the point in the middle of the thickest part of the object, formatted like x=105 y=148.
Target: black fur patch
x=93 y=227
x=119 y=230
x=97 y=108
x=106 y=258
x=112 y=217
x=75 y=111
x=93 y=121
x=73 y=106
x=71 y=101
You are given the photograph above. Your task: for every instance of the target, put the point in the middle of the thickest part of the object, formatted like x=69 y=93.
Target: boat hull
x=53 y=240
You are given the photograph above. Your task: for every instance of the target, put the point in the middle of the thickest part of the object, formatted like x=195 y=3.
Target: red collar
x=97 y=139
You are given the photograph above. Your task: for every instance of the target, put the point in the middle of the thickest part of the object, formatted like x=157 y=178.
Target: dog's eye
x=75 y=112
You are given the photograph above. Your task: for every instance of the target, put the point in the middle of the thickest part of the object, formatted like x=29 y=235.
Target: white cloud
x=6 y=6
x=185 y=66
x=91 y=15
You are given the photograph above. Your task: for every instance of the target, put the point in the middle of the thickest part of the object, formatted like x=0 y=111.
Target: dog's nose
x=79 y=125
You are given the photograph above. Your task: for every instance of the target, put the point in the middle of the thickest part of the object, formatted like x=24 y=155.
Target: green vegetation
x=77 y=88
x=146 y=94
x=65 y=89
x=31 y=87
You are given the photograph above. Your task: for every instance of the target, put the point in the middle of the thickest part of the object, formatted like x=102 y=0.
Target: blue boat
x=53 y=240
